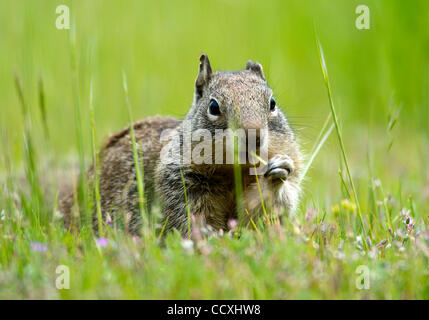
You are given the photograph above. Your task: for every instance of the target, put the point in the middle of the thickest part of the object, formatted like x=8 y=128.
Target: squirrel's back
x=118 y=186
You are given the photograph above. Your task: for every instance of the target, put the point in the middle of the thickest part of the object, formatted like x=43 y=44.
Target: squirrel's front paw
x=279 y=167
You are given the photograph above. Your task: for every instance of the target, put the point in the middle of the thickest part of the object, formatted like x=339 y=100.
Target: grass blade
x=42 y=106
x=339 y=135
x=83 y=201
x=36 y=209
x=139 y=176
x=96 y=161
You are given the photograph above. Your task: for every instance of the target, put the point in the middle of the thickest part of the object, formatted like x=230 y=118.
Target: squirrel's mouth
x=243 y=152
x=245 y=147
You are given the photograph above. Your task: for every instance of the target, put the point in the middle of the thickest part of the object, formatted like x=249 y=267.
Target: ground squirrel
x=222 y=100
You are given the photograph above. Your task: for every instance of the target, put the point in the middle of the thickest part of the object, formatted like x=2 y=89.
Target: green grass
x=340 y=140
x=62 y=92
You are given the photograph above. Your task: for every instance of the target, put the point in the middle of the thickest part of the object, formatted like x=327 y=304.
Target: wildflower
x=376 y=183
x=108 y=219
x=232 y=224
x=102 y=242
x=188 y=245
x=196 y=234
x=368 y=241
x=346 y=204
x=407 y=220
x=203 y=247
x=2 y=215
x=310 y=214
x=359 y=242
x=38 y=246
x=339 y=255
x=323 y=227
x=58 y=215
x=315 y=245
x=335 y=209
x=372 y=253
x=208 y=231
x=390 y=200
x=382 y=243
x=405 y=212
x=392 y=234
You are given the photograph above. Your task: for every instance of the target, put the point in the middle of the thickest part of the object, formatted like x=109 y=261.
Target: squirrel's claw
x=279 y=167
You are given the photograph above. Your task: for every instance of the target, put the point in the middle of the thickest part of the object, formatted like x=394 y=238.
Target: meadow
x=360 y=111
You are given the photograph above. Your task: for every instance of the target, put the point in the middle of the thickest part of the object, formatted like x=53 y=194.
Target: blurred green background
x=379 y=79
x=374 y=72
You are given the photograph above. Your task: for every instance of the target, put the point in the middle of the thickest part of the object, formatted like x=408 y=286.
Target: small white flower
x=58 y=215
x=339 y=255
x=372 y=253
x=376 y=182
x=187 y=244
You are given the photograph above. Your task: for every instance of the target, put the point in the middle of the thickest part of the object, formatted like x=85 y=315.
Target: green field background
x=379 y=79
x=158 y=43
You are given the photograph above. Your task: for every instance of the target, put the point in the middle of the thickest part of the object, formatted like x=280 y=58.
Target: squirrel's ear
x=256 y=68
x=204 y=75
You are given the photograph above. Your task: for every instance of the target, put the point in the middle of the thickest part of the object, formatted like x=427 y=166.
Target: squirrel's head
x=241 y=99
x=241 y=102
x=238 y=100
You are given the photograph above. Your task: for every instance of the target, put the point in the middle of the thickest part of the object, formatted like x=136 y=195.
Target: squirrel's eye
x=272 y=104
x=214 y=108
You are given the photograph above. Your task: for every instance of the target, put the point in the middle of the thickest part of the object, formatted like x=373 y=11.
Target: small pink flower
x=38 y=246
x=232 y=224
x=102 y=242
x=310 y=214
x=108 y=219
